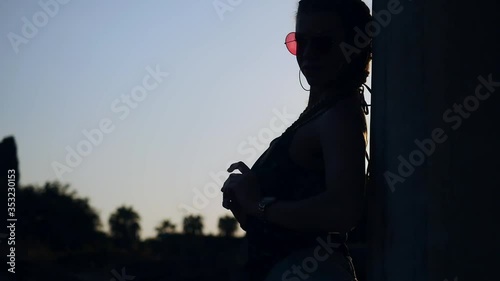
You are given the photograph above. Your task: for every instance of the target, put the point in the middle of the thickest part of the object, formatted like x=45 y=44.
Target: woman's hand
x=238 y=214
x=241 y=190
x=231 y=204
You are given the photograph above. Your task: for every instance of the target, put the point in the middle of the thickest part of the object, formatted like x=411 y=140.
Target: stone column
x=434 y=210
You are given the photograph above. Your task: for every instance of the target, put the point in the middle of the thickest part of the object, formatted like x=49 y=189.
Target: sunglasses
x=320 y=44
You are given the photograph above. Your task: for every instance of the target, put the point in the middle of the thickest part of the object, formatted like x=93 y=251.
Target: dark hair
x=352 y=13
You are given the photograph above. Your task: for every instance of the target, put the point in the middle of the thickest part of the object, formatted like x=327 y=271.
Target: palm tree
x=57 y=216
x=124 y=226
x=193 y=225
x=227 y=226
x=164 y=227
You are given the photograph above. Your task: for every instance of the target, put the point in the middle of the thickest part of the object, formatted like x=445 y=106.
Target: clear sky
x=225 y=87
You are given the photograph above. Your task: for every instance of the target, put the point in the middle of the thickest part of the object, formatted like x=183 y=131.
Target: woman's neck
x=319 y=92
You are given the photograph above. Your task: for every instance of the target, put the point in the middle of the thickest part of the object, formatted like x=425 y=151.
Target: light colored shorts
x=314 y=264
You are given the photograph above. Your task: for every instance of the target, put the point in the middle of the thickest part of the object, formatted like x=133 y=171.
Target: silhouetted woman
x=306 y=191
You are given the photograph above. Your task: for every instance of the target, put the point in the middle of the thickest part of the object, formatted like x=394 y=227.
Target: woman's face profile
x=318 y=53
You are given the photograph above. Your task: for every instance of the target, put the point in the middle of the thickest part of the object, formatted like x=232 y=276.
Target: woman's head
x=321 y=27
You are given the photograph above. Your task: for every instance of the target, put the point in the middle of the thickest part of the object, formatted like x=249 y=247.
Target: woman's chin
x=318 y=83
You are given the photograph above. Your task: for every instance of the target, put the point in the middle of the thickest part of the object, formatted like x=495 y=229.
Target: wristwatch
x=263 y=204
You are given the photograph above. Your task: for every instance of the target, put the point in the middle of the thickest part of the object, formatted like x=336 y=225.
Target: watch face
x=263 y=204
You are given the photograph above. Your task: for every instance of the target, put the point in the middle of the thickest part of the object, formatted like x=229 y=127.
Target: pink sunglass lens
x=291 y=43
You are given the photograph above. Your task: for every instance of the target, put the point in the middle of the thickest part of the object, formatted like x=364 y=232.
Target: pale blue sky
x=228 y=75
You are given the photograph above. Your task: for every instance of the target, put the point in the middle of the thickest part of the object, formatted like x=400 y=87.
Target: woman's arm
x=239 y=215
x=319 y=213
x=339 y=208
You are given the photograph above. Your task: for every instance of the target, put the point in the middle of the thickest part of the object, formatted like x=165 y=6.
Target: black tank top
x=279 y=176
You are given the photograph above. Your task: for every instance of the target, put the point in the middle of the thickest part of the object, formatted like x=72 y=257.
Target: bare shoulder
x=342 y=132
x=346 y=114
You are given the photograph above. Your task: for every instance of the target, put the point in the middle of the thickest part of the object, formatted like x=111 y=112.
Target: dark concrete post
x=434 y=210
